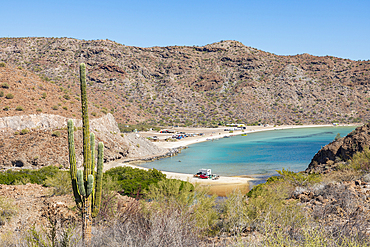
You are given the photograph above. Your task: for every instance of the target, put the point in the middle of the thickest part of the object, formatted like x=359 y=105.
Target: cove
x=259 y=154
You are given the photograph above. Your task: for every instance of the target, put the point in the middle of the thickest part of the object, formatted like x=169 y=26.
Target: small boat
x=244 y=134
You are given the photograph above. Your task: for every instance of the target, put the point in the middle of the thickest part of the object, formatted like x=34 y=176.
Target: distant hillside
x=220 y=82
x=23 y=92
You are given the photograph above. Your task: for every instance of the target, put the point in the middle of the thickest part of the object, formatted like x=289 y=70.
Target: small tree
x=337 y=137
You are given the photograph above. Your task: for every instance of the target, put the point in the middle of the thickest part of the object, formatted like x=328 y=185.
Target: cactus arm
x=80 y=182
x=93 y=154
x=99 y=180
x=72 y=162
x=90 y=185
x=85 y=123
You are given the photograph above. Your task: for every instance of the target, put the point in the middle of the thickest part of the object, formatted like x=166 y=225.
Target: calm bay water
x=259 y=153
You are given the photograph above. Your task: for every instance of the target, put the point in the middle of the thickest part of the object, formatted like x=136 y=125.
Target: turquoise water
x=259 y=153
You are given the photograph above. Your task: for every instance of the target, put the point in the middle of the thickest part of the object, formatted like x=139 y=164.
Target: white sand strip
x=189 y=177
x=216 y=133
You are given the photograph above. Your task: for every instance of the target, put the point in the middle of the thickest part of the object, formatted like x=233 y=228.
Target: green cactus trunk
x=86 y=184
x=99 y=180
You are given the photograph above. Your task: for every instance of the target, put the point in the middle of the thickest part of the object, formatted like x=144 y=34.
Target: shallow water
x=259 y=154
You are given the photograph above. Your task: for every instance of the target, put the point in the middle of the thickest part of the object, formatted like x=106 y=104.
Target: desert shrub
x=54 y=235
x=138 y=127
x=109 y=203
x=9 y=96
x=2 y=64
x=1 y=94
x=134 y=181
x=7 y=210
x=190 y=200
x=44 y=95
x=4 y=85
x=24 y=131
x=66 y=96
x=6 y=108
x=19 y=108
x=56 y=133
x=299 y=178
x=164 y=226
x=33 y=176
x=361 y=160
x=337 y=137
x=234 y=212
x=65 y=108
x=61 y=182
x=39 y=110
x=55 y=107
x=93 y=114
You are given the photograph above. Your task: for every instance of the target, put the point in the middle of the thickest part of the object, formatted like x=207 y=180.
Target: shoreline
x=225 y=184
x=221 y=187
x=217 y=133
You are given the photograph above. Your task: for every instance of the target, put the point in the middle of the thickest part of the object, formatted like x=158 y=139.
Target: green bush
x=133 y=181
x=138 y=127
x=2 y=64
x=44 y=95
x=9 y=96
x=66 y=96
x=61 y=182
x=1 y=94
x=19 y=108
x=6 y=108
x=361 y=161
x=4 y=85
x=192 y=201
x=56 y=133
x=55 y=107
x=32 y=176
x=24 y=131
x=39 y=110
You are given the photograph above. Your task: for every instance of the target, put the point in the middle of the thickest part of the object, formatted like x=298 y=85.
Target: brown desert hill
x=202 y=86
x=23 y=92
x=343 y=149
x=33 y=124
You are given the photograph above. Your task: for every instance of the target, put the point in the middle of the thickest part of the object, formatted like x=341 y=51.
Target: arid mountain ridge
x=220 y=82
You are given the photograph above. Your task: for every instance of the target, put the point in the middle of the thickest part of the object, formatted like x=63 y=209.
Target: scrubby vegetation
x=24 y=176
x=175 y=213
x=7 y=209
x=139 y=127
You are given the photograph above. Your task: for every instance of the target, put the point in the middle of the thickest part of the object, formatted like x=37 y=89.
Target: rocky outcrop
x=106 y=123
x=340 y=150
x=46 y=143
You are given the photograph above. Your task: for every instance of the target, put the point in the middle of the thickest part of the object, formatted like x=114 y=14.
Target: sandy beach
x=221 y=187
x=214 y=133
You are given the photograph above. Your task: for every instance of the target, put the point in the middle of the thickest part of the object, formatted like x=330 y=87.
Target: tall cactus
x=86 y=184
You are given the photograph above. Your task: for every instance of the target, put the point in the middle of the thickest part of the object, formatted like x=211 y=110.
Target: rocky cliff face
x=341 y=150
x=46 y=143
x=106 y=123
x=224 y=81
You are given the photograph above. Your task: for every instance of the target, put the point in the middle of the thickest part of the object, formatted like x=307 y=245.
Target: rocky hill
x=36 y=135
x=221 y=82
x=343 y=149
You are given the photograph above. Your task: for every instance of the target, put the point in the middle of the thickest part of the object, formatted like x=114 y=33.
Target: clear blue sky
x=333 y=27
